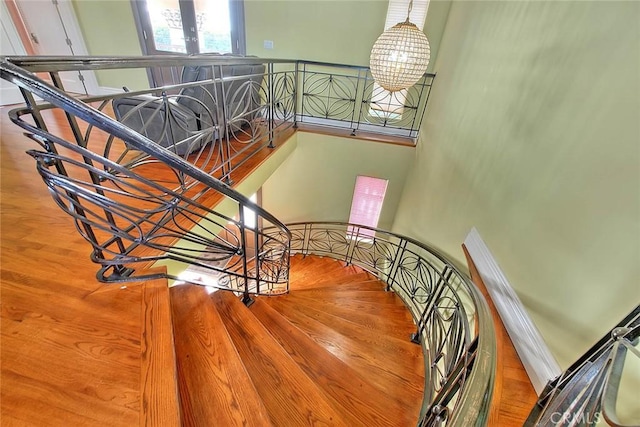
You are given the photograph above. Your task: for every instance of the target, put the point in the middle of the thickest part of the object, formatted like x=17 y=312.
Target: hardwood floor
x=70 y=345
x=513 y=395
x=78 y=352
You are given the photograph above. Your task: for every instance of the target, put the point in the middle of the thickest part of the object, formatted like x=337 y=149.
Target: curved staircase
x=334 y=351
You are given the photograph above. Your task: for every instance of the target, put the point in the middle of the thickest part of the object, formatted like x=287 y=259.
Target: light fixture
x=400 y=56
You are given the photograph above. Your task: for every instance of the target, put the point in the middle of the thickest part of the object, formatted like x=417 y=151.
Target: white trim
x=10 y=96
x=106 y=90
x=10 y=45
x=536 y=357
x=79 y=47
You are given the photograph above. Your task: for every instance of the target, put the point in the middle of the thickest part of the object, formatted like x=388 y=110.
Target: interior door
x=188 y=27
x=53 y=29
x=10 y=45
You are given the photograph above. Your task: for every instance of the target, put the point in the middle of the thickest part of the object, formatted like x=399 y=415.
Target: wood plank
x=406 y=386
x=215 y=387
x=159 y=404
x=291 y=398
x=369 y=306
x=397 y=354
x=339 y=381
x=386 y=320
x=365 y=296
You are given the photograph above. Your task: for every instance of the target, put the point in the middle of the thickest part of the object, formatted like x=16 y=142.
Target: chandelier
x=400 y=56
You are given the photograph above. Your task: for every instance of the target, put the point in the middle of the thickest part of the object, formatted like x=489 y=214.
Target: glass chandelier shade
x=400 y=56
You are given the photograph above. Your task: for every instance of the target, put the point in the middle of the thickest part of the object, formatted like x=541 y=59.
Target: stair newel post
x=246 y=298
x=436 y=293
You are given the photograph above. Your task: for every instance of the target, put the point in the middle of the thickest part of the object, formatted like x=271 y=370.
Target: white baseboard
x=536 y=357
x=10 y=95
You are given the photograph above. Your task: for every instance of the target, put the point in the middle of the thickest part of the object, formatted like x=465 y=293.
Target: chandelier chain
x=409 y=11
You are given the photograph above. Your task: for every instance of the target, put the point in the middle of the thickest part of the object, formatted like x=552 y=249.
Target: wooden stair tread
x=291 y=398
x=214 y=385
x=349 y=283
x=325 y=278
x=365 y=296
x=159 y=378
x=398 y=353
x=333 y=376
x=365 y=300
x=385 y=320
x=361 y=356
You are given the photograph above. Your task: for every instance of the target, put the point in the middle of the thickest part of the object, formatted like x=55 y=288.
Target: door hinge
x=34 y=38
x=80 y=77
x=68 y=40
x=144 y=34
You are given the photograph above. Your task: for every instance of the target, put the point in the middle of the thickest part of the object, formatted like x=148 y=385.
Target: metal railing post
x=271 y=95
x=246 y=297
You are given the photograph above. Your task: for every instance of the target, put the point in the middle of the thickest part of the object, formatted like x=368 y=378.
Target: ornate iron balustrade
x=344 y=96
x=138 y=202
x=132 y=199
x=587 y=392
x=241 y=104
x=453 y=322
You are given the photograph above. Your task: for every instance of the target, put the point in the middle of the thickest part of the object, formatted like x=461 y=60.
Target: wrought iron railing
x=152 y=159
x=137 y=201
x=346 y=96
x=587 y=393
x=453 y=322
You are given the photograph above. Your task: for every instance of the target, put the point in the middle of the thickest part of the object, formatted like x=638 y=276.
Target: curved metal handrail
x=586 y=393
x=458 y=392
x=37 y=86
x=109 y=201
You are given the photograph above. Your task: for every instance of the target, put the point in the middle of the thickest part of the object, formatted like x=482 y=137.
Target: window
x=250 y=216
x=366 y=206
x=386 y=105
x=190 y=26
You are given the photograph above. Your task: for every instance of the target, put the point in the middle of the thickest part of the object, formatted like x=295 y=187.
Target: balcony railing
x=343 y=96
x=160 y=153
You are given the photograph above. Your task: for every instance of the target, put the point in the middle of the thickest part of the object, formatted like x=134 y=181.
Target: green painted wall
x=340 y=31
x=109 y=29
x=330 y=31
x=532 y=136
x=316 y=182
